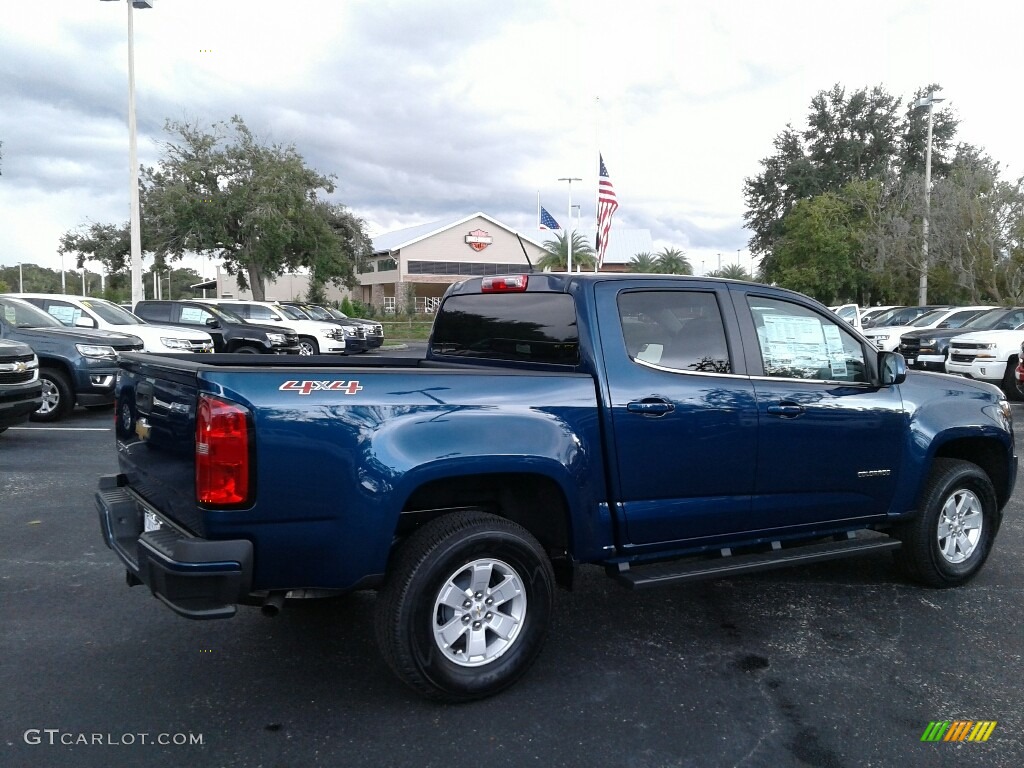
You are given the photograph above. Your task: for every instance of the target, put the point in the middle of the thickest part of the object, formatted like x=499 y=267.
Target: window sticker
x=193 y=315
x=836 y=353
x=65 y=314
x=794 y=346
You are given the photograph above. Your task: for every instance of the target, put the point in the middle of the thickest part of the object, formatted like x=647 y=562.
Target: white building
x=414 y=266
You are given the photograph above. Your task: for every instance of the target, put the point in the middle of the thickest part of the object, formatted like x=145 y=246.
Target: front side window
x=681 y=330
x=66 y=313
x=195 y=316
x=798 y=343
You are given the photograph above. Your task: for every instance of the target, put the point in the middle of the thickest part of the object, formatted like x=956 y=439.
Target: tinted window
x=798 y=343
x=682 y=330
x=530 y=327
x=158 y=311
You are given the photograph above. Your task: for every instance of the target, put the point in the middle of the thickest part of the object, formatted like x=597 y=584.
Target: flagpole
x=568 y=237
x=538 y=208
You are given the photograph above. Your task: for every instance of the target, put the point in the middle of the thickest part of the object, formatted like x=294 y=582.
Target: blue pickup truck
x=666 y=428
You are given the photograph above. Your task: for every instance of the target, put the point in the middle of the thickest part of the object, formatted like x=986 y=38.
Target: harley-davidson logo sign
x=478 y=239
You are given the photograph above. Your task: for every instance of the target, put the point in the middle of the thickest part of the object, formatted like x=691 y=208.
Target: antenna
x=525 y=254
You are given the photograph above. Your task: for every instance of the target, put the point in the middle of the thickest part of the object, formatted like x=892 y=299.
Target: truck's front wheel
x=950 y=539
x=466 y=607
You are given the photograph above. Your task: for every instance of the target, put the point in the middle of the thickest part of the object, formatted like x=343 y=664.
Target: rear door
x=683 y=417
x=831 y=439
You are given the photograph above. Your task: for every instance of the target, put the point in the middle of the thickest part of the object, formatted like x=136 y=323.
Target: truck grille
x=964 y=353
x=198 y=345
x=18 y=369
x=909 y=347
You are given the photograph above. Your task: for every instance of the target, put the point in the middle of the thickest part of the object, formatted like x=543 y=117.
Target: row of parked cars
x=58 y=351
x=979 y=342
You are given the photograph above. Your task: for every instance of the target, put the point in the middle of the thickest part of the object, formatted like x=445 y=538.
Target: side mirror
x=211 y=322
x=84 y=321
x=893 y=368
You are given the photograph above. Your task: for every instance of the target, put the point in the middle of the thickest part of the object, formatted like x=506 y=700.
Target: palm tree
x=557 y=256
x=672 y=261
x=732 y=271
x=643 y=262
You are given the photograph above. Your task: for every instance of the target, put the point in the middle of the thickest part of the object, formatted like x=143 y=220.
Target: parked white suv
x=89 y=312
x=315 y=336
x=887 y=338
x=988 y=356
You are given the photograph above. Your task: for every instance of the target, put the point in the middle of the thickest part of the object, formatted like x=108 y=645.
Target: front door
x=831 y=438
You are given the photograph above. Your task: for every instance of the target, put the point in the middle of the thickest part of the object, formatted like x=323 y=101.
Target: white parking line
x=63 y=429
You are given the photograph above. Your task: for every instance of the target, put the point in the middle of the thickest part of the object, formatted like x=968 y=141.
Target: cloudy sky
x=428 y=109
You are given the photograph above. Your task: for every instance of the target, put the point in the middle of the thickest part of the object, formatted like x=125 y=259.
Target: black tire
x=58 y=399
x=434 y=561
x=958 y=494
x=247 y=350
x=308 y=346
x=1011 y=387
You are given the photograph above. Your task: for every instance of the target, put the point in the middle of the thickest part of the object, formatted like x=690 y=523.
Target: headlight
x=96 y=350
x=276 y=338
x=929 y=342
x=175 y=343
x=348 y=331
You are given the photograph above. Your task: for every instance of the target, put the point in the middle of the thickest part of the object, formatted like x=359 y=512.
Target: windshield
x=112 y=313
x=928 y=318
x=292 y=313
x=337 y=313
x=316 y=313
x=21 y=314
x=997 y=320
x=223 y=314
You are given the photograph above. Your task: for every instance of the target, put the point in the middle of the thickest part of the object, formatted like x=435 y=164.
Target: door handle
x=786 y=410
x=650 y=406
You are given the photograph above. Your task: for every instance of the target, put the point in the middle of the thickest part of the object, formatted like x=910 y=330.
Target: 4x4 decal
x=305 y=387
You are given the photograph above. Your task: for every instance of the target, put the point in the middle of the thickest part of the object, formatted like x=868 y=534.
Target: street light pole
x=568 y=237
x=922 y=290
x=135 y=226
x=21 y=279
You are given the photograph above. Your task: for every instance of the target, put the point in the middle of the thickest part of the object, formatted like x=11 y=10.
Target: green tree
x=315 y=293
x=106 y=243
x=557 y=255
x=815 y=253
x=672 y=261
x=4 y=288
x=347 y=308
x=253 y=205
x=643 y=262
x=850 y=136
x=732 y=272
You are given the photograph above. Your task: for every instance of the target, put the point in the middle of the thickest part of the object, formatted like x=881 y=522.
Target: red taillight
x=506 y=284
x=223 y=449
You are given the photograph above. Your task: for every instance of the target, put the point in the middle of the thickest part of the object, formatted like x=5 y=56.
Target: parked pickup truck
x=666 y=428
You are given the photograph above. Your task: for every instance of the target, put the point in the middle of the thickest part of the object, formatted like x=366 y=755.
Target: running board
x=728 y=564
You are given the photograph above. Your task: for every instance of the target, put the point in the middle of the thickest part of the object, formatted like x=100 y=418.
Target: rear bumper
x=196 y=578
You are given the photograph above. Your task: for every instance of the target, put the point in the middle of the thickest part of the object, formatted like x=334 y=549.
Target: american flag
x=547 y=221
x=606 y=206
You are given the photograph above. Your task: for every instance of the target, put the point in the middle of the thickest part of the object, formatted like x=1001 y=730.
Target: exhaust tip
x=273 y=604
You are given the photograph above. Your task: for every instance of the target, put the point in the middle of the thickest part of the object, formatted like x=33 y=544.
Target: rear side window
x=681 y=330
x=159 y=311
x=527 y=327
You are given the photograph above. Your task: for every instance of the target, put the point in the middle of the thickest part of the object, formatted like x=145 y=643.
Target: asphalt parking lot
x=836 y=664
